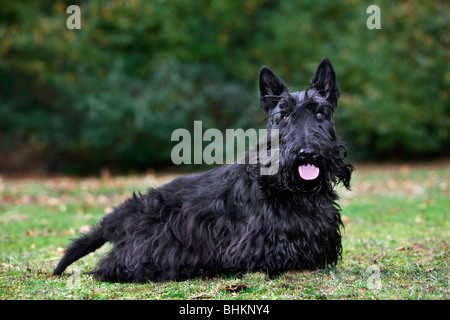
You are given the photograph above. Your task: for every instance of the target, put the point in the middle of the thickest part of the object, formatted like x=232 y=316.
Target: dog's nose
x=308 y=155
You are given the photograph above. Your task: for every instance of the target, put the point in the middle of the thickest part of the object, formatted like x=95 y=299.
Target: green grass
x=397 y=222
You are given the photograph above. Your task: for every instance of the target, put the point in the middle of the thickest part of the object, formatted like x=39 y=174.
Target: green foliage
x=111 y=93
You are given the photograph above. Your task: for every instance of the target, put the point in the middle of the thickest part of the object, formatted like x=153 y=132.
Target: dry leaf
x=202 y=296
x=418 y=219
x=345 y=220
x=31 y=233
x=108 y=210
x=235 y=286
x=405 y=169
x=84 y=229
x=363 y=289
x=105 y=173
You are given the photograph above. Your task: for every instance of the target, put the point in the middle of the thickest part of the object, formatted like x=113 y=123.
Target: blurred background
x=110 y=95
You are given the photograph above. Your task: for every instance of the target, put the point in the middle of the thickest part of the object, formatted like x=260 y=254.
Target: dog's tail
x=80 y=247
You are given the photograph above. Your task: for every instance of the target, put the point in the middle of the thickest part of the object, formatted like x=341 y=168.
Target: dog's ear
x=270 y=88
x=324 y=82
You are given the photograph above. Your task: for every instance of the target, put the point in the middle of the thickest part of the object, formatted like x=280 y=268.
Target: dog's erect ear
x=270 y=88
x=324 y=82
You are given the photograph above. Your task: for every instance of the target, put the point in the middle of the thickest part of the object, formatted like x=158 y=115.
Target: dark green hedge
x=111 y=93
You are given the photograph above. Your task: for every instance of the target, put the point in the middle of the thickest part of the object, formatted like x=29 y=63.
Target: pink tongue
x=308 y=172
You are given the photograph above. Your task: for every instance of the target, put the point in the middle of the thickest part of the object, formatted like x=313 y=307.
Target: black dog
x=233 y=219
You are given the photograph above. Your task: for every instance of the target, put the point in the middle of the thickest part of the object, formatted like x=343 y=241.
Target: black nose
x=307 y=155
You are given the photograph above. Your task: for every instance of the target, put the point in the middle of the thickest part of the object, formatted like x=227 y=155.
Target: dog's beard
x=294 y=176
x=291 y=174
x=327 y=171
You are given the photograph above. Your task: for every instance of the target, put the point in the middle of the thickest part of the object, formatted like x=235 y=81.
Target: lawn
x=397 y=228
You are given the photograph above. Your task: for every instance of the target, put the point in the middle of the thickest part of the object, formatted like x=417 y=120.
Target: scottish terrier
x=233 y=219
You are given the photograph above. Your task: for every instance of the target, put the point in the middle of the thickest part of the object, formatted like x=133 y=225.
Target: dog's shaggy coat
x=232 y=219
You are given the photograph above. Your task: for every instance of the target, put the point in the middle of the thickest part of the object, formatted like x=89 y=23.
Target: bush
x=111 y=93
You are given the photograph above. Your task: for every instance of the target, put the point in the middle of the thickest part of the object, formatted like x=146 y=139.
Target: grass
x=397 y=222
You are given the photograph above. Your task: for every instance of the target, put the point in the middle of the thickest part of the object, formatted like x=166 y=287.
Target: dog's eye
x=286 y=119
x=319 y=115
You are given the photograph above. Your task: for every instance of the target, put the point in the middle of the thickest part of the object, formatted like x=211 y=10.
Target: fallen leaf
x=202 y=296
x=7 y=198
x=391 y=184
x=418 y=219
x=400 y=249
x=31 y=233
x=46 y=232
x=52 y=201
x=105 y=173
x=235 y=286
x=405 y=169
x=345 y=220
x=108 y=210
x=84 y=229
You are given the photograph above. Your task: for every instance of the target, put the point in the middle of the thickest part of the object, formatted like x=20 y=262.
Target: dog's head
x=310 y=152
